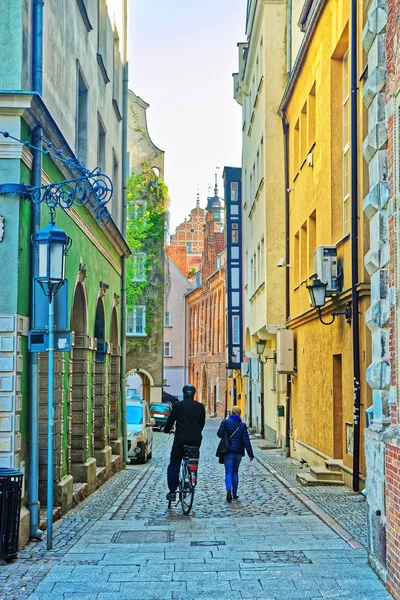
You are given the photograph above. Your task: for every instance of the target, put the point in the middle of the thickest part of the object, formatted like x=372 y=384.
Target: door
x=337 y=406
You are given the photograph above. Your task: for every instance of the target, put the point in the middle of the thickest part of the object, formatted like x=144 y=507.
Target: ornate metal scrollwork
x=93 y=189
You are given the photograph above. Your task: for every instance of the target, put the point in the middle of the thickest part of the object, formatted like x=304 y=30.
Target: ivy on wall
x=147 y=213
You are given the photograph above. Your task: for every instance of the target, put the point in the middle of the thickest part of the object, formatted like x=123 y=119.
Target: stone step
x=308 y=479
x=334 y=464
x=323 y=473
x=80 y=491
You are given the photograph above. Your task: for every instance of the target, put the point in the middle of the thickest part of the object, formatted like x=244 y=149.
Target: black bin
x=10 y=510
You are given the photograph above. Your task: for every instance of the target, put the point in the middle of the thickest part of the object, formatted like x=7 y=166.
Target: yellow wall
x=314 y=113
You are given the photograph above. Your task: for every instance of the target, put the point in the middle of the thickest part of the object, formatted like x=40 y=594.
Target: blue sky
x=182 y=54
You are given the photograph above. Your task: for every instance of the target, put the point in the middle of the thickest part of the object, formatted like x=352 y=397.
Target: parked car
x=160 y=412
x=130 y=395
x=140 y=430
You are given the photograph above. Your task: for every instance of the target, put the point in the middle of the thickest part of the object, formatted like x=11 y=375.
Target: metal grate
x=143 y=537
x=208 y=543
x=279 y=556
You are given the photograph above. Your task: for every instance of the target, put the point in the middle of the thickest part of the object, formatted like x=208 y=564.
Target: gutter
x=124 y=177
x=36 y=178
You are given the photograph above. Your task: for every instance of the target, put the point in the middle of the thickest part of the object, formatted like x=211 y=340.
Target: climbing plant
x=147 y=197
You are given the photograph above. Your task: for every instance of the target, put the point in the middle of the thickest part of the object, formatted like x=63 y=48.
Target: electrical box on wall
x=326 y=267
x=285 y=351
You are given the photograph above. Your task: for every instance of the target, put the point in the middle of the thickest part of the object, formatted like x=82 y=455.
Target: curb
x=310 y=504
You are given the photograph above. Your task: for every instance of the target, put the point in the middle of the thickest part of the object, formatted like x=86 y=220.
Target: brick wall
x=178 y=254
x=393 y=519
x=392 y=453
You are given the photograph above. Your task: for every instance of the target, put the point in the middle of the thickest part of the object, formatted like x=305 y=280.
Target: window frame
x=169 y=344
x=131 y=314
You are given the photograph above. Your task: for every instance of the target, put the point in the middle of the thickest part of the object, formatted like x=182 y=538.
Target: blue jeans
x=232 y=463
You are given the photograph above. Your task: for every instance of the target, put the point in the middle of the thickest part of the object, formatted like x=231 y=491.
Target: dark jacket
x=239 y=440
x=190 y=417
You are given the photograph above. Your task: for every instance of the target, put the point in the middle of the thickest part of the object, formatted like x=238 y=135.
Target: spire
x=216 y=186
x=198 y=198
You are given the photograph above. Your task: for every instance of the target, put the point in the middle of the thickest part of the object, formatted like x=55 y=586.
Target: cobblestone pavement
x=123 y=542
x=340 y=502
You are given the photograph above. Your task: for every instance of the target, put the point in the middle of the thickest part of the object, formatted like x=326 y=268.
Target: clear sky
x=182 y=54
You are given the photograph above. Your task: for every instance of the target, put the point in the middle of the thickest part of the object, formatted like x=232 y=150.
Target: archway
x=78 y=402
x=101 y=420
x=115 y=410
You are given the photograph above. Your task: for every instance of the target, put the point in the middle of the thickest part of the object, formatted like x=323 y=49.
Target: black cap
x=189 y=391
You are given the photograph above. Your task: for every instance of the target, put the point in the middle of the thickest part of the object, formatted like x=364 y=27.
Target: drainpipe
x=250 y=395
x=285 y=126
x=124 y=177
x=37 y=85
x=354 y=246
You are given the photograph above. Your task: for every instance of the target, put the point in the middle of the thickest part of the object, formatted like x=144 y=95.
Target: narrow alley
x=123 y=542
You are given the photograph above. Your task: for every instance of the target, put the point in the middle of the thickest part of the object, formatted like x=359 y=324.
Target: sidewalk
x=342 y=504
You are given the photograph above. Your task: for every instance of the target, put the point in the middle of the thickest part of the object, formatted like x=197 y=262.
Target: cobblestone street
x=123 y=542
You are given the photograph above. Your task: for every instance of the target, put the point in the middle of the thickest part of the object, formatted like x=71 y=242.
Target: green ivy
x=148 y=198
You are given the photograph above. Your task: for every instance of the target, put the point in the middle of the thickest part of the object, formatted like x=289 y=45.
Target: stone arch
x=114 y=388
x=78 y=401
x=100 y=405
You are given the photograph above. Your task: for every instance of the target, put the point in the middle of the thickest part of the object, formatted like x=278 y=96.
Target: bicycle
x=188 y=478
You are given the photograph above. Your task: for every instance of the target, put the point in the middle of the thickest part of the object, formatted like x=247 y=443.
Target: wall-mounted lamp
x=317 y=291
x=260 y=347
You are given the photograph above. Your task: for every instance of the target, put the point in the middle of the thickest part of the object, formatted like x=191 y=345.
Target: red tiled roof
x=219 y=242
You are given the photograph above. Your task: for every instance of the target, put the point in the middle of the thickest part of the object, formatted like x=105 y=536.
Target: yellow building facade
x=316 y=107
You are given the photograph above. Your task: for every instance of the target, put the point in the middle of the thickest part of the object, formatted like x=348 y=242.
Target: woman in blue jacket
x=238 y=441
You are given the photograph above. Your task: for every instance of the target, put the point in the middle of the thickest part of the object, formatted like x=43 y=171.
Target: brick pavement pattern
x=124 y=543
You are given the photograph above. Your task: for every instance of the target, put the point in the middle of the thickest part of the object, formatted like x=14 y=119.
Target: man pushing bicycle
x=189 y=417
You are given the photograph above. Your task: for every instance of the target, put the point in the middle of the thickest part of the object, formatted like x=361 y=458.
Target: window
x=136 y=321
x=312 y=234
x=101 y=146
x=311 y=117
x=139 y=267
x=262 y=158
x=303 y=134
x=189 y=246
x=296 y=262
x=136 y=209
x=303 y=251
x=235 y=233
x=167 y=349
x=167 y=318
x=346 y=142
x=81 y=118
x=296 y=147
x=116 y=68
x=115 y=199
x=234 y=191
x=235 y=329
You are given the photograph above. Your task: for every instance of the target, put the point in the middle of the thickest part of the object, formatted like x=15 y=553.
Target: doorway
x=337 y=406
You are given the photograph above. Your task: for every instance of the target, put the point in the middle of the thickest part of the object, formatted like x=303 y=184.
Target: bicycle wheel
x=187 y=493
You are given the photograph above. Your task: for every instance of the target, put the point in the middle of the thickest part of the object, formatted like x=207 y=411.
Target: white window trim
x=346 y=147
x=133 y=310
x=170 y=350
x=170 y=318
x=136 y=257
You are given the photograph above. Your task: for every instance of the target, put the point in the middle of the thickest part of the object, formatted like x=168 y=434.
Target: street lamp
x=52 y=245
x=317 y=291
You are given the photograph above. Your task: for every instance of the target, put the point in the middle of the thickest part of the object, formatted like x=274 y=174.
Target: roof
x=219 y=242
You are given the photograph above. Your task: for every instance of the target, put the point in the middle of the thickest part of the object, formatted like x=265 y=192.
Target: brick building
x=206 y=308
x=391 y=435
x=190 y=234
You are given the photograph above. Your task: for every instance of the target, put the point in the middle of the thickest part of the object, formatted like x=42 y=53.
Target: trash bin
x=10 y=510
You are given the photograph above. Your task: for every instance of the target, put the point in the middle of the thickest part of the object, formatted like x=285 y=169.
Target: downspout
x=36 y=180
x=124 y=177
x=354 y=247
x=285 y=126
